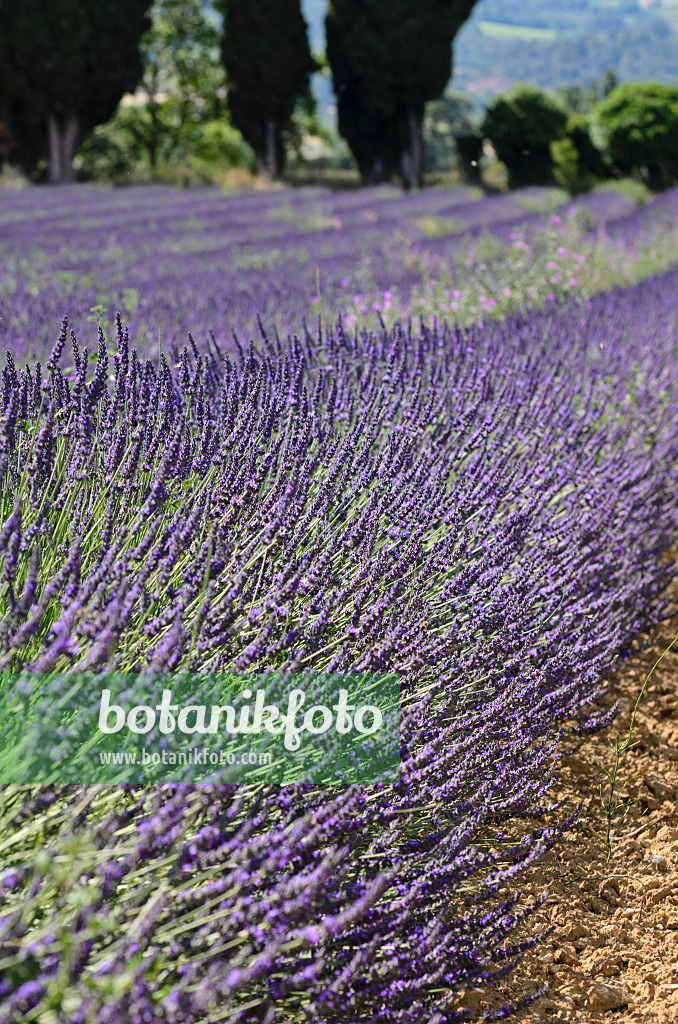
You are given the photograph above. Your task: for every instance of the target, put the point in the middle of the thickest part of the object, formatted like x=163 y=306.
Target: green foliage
x=108 y=154
x=178 y=120
x=577 y=162
x=590 y=159
x=629 y=187
x=547 y=200
x=388 y=61
x=67 y=63
x=219 y=144
x=445 y=119
x=183 y=82
x=268 y=63
x=181 y=54
x=637 y=126
x=435 y=227
x=111 y=153
x=521 y=124
x=566 y=165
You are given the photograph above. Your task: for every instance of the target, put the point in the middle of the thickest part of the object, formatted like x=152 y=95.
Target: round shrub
x=107 y=154
x=577 y=162
x=566 y=171
x=637 y=128
x=218 y=142
x=591 y=160
x=521 y=124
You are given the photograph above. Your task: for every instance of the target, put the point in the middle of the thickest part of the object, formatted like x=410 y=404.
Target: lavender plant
x=481 y=511
x=203 y=261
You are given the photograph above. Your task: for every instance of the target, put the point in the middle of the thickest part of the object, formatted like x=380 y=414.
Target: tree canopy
x=64 y=67
x=637 y=127
x=521 y=124
x=268 y=65
x=388 y=61
x=183 y=77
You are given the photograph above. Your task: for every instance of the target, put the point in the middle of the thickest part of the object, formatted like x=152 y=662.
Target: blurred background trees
x=637 y=128
x=177 y=117
x=581 y=99
x=388 y=61
x=521 y=125
x=192 y=91
x=183 y=79
x=64 y=67
x=268 y=63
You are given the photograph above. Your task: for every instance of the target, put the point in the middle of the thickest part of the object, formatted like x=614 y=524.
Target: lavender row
x=482 y=512
x=203 y=261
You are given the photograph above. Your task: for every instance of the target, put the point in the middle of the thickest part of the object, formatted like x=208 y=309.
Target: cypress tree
x=268 y=65
x=64 y=66
x=366 y=119
x=388 y=60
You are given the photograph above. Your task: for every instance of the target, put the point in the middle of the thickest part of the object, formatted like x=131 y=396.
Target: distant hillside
x=564 y=44
x=553 y=42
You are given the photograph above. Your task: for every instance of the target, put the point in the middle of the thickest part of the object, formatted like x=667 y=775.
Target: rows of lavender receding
x=482 y=512
x=203 y=261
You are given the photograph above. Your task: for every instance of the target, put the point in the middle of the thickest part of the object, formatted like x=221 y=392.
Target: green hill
x=565 y=44
x=554 y=42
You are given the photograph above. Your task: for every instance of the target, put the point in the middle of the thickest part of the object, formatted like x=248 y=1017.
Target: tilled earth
x=613 y=953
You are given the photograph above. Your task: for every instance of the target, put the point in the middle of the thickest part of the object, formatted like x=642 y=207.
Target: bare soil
x=613 y=953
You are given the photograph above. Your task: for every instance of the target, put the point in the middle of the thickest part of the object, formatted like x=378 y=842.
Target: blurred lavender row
x=204 y=261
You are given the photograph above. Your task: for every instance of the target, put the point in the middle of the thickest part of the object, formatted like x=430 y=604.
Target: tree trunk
x=54 y=150
x=153 y=135
x=62 y=141
x=269 y=166
x=152 y=140
x=68 y=144
x=379 y=174
x=410 y=161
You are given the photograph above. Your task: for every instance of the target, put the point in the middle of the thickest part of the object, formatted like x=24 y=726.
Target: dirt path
x=613 y=954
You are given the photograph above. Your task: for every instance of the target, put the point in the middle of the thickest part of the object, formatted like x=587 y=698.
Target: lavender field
x=434 y=435
x=172 y=262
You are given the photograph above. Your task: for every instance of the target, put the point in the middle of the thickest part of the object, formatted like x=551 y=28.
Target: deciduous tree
x=637 y=127
x=182 y=80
